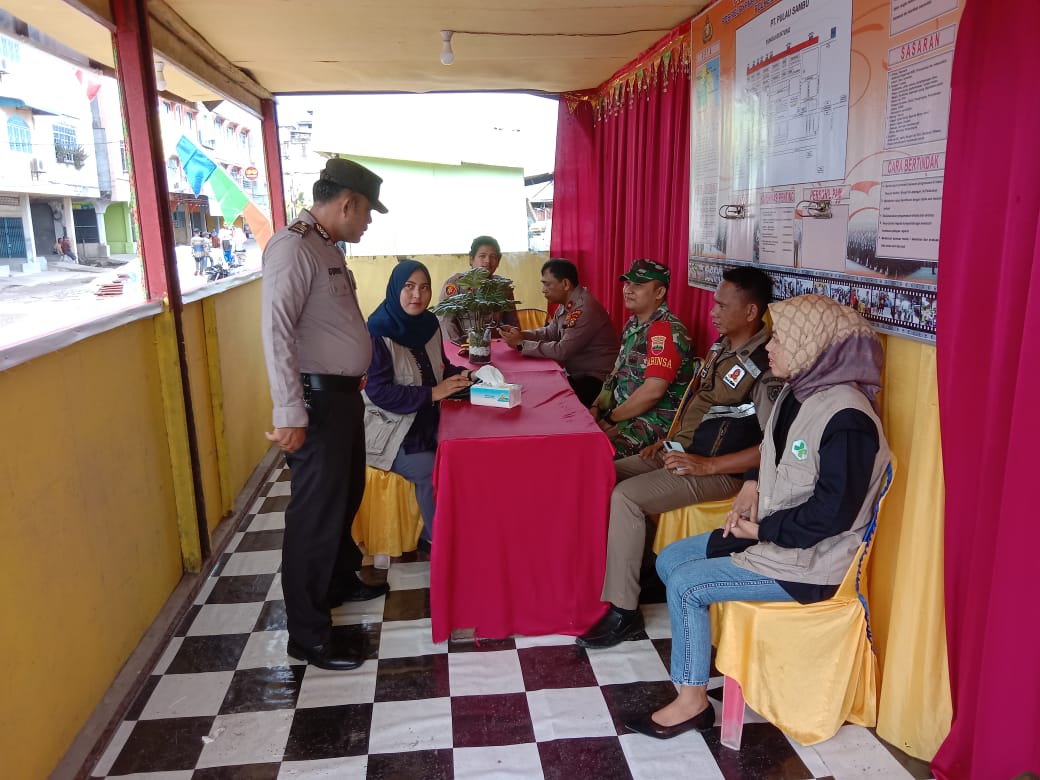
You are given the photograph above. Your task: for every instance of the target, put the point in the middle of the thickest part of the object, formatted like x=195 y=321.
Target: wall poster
x=818 y=143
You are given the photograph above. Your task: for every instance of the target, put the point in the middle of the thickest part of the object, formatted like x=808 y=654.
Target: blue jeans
x=693 y=583
x=417 y=468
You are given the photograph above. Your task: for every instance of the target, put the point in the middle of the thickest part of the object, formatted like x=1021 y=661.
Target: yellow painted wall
x=524 y=268
x=202 y=406
x=246 y=397
x=88 y=534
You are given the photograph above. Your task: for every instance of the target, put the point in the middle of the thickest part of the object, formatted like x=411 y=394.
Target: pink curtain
x=622 y=186
x=988 y=347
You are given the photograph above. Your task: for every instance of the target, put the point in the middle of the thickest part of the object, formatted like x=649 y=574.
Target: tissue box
x=503 y=397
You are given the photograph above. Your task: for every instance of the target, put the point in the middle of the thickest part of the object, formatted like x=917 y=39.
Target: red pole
x=140 y=102
x=273 y=160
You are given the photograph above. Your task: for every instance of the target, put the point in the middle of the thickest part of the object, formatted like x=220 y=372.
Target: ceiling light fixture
x=447 y=55
x=160 y=76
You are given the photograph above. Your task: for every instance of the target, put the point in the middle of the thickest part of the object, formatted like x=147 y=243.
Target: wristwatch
x=609 y=417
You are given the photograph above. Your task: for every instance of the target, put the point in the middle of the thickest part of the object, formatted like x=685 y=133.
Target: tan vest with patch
x=791 y=482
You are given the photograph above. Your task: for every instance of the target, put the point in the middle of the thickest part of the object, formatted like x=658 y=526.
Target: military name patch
x=657 y=344
x=572 y=317
x=800 y=450
x=734 y=375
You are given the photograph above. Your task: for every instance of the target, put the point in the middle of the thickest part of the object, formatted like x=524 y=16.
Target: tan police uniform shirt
x=580 y=337
x=733 y=385
x=310 y=319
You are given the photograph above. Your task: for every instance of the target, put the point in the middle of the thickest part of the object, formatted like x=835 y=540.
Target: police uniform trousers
x=644 y=488
x=328 y=481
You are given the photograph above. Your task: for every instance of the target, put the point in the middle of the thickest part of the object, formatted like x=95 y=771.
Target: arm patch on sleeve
x=662 y=356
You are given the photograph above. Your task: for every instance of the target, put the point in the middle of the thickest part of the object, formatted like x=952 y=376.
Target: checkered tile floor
x=225 y=701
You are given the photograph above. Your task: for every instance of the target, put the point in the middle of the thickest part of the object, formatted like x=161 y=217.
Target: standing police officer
x=317 y=349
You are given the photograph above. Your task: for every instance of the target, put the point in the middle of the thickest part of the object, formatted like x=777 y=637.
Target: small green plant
x=480 y=297
x=73 y=155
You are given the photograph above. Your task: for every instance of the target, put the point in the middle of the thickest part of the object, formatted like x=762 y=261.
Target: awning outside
x=13 y=102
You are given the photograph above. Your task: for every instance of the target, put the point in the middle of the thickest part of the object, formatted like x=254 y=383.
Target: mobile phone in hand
x=674 y=446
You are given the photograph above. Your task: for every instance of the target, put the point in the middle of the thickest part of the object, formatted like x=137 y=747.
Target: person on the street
x=200 y=251
x=225 y=243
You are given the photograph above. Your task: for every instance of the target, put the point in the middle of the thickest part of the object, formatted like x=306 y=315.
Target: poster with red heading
x=818 y=142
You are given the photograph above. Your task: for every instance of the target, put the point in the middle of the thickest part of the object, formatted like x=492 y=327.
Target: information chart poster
x=818 y=135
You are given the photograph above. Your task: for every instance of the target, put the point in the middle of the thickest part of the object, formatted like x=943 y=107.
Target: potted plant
x=480 y=297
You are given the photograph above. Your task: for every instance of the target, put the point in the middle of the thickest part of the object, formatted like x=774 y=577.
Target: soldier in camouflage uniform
x=642 y=394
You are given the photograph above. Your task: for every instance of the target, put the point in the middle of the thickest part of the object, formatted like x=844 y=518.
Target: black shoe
x=324 y=657
x=646 y=724
x=359 y=591
x=612 y=629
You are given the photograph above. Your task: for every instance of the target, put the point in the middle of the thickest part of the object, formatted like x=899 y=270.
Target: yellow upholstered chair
x=531 y=319
x=690 y=521
x=388 y=522
x=806 y=668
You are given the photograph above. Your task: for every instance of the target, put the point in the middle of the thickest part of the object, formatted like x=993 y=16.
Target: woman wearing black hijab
x=408 y=376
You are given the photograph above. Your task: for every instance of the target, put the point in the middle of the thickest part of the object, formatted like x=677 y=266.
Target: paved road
x=65 y=294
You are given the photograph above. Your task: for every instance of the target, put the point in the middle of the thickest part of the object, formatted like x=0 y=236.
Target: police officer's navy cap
x=356 y=177
x=644 y=270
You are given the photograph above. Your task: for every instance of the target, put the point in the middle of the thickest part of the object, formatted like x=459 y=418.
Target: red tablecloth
x=522 y=503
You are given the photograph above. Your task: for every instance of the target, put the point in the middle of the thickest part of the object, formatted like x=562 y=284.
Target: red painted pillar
x=273 y=160
x=140 y=104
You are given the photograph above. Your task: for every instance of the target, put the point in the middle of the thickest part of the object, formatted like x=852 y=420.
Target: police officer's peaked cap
x=356 y=177
x=644 y=270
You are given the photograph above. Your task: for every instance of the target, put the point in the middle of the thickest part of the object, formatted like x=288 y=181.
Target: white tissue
x=490 y=376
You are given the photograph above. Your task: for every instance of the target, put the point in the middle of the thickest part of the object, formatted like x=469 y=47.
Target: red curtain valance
x=622 y=187
x=656 y=68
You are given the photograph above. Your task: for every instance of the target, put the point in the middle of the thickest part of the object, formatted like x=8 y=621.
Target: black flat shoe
x=324 y=657
x=360 y=591
x=612 y=629
x=646 y=724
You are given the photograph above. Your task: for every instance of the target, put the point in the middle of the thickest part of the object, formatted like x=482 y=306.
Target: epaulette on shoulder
x=757 y=362
x=300 y=227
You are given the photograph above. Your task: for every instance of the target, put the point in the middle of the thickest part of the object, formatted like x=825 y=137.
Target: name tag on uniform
x=734 y=376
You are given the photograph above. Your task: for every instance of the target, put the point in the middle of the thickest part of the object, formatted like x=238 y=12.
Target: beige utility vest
x=791 y=482
x=384 y=431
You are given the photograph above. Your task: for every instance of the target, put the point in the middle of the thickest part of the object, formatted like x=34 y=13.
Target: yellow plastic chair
x=690 y=521
x=531 y=319
x=388 y=521
x=806 y=668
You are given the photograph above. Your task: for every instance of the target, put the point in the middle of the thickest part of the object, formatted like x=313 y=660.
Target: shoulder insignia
x=300 y=228
x=450 y=289
x=570 y=304
x=756 y=362
x=572 y=317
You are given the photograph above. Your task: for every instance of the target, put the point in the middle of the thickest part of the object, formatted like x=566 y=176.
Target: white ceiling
x=336 y=46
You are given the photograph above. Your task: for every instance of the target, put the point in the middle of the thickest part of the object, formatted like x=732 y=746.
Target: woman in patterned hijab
x=796 y=525
x=827 y=344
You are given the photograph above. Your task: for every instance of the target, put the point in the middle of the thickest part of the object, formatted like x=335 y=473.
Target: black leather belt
x=331 y=383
